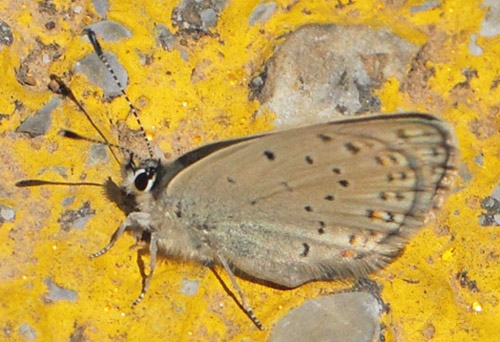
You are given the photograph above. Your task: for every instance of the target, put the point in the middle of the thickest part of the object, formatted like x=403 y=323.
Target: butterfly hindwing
x=317 y=202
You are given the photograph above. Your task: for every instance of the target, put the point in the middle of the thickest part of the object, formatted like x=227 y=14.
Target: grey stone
x=428 y=5
x=92 y=67
x=219 y=5
x=490 y=26
x=68 y=200
x=39 y=123
x=474 y=49
x=208 y=18
x=110 y=31
x=484 y=220
x=45 y=59
x=76 y=219
x=165 y=38
x=496 y=193
x=496 y=217
x=98 y=153
x=465 y=174
x=101 y=7
x=479 y=159
x=56 y=293
x=344 y=317
x=262 y=13
x=196 y=17
x=27 y=332
x=6 y=37
x=7 y=214
x=492 y=206
x=257 y=82
x=322 y=72
x=80 y=222
x=489 y=203
x=189 y=287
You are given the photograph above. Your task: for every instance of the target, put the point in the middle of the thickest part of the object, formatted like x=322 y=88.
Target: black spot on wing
x=352 y=148
x=269 y=155
x=389 y=217
x=401 y=134
x=324 y=137
x=306 y=249
x=178 y=211
x=321 y=229
x=344 y=183
x=370 y=213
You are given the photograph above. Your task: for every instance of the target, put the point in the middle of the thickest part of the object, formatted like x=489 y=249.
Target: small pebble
x=27 y=332
x=262 y=13
x=7 y=214
x=189 y=287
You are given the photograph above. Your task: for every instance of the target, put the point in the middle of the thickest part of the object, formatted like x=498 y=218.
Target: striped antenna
x=98 y=50
x=59 y=87
x=38 y=182
x=72 y=135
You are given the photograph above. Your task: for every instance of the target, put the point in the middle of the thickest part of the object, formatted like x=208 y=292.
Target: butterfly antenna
x=98 y=50
x=59 y=87
x=72 y=135
x=38 y=182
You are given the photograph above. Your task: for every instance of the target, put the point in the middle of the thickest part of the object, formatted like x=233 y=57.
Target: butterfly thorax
x=148 y=182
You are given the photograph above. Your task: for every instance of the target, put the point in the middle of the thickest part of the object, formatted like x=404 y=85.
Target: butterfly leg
x=135 y=219
x=153 y=250
x=246 y=306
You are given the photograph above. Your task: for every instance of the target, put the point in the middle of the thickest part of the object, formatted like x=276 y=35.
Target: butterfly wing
x=330 y=200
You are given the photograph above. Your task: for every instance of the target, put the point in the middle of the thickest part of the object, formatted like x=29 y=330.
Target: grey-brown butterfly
x=319 y=202
x=332 y=200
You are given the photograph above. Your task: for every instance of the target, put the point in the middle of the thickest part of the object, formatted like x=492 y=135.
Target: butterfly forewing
x=334 y=199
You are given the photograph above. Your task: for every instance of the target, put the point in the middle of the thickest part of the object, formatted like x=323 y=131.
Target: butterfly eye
x=144 y=179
